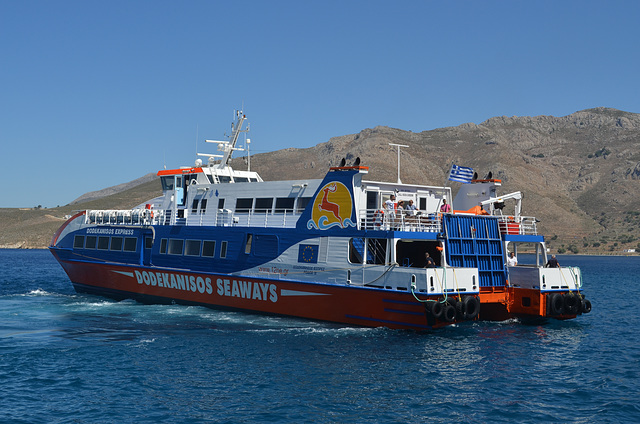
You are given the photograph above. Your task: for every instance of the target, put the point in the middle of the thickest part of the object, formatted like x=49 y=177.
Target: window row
x=266 y=204
x=115 y=243
x=204 y=248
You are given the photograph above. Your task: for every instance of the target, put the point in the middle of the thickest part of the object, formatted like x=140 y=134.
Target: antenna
x=398 y=146
x=196 y=139
x=248 y=155
x=228 y=147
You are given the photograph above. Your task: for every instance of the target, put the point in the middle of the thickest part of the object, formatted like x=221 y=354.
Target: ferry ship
x=337 y=249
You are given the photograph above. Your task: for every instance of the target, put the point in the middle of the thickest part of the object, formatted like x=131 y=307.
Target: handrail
x=368 y=219
x=398 y=220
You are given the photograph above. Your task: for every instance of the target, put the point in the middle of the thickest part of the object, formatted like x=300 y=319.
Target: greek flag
x=461 y=174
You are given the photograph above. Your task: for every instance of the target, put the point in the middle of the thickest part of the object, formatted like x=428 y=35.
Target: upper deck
x=368 y=219
x=214 y=194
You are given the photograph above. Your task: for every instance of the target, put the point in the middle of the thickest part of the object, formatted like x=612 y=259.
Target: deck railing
x=369 y=219
x=523 y=225
x=379 y=219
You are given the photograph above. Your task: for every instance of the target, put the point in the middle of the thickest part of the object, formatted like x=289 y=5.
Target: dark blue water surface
x=73 y=358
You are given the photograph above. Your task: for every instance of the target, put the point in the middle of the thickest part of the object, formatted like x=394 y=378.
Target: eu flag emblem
x=308 y=253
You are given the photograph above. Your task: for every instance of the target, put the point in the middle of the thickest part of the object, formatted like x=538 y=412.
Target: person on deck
x=390 y=204
x=428 y=261
x=445 y=208
x=411 y=208
x=553 y=262
x=512 y=260
x=390 y=211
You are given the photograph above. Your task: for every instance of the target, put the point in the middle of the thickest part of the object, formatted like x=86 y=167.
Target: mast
x=228 y=147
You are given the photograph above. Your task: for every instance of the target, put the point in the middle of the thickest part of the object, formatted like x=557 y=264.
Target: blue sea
x=70 y=358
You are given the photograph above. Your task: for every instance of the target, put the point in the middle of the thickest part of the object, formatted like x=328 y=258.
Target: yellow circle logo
x=332 y=207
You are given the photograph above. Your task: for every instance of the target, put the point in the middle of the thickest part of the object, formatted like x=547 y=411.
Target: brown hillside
x=580 y=174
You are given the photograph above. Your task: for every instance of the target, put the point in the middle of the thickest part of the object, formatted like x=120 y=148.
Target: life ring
x=555 y=304
x=378 y=216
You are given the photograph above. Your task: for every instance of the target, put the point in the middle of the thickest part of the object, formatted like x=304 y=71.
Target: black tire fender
x=555 y=304
x=471 y=307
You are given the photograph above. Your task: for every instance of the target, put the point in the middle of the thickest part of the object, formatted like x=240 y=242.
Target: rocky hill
x=580 y=174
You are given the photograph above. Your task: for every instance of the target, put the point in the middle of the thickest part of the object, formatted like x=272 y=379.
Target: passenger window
x=193 y=248
x=163 y=246
x=209 y=248
x=78 y=242
x=116 y=243
x=176 y=246
x=103 y=243
x=91 y=242
x=130 y=244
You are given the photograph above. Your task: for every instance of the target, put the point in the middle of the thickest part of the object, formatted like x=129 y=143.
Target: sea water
x=70 y=358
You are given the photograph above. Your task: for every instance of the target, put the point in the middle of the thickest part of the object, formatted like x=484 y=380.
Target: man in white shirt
x=390 y=211
x=511 y=260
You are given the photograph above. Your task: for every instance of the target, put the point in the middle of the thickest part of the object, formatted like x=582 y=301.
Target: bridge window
x=221 y=204
x=223 y=249
x=194 y=207
x=224 y=178
x=167 y=182
x=163 y=246
x=241 y=179
x=203 y=205
x=209 y=248
x=148 y=242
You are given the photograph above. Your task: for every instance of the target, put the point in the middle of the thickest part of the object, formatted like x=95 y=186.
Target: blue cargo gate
x=475 y=242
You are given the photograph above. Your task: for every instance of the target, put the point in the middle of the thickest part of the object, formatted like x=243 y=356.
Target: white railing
x=124 y=217
x=369 y=219
x=545 y=279
x=379 y=219
x=223 y=218
x=523 y=225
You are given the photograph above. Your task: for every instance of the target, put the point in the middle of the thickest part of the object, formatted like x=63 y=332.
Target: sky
x=98 y=93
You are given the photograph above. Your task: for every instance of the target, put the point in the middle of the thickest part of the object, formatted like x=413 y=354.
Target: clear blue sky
x=97 y=93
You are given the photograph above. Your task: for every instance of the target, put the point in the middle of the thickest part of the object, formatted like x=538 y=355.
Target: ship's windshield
x=167 y=182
